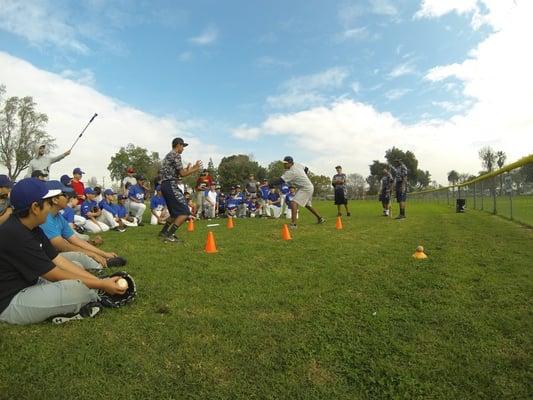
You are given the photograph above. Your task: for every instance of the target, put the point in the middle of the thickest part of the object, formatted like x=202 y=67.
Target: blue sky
x=325 y=81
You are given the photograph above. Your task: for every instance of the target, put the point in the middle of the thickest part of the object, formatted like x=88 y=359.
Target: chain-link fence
x=507 y=192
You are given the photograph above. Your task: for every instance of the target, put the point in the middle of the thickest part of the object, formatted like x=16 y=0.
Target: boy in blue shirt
x=135 y=203
x=90 y=211
x=274 y=203
x=109 y=215
x=158 y=208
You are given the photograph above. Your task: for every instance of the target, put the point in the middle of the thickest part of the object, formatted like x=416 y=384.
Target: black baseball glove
x=119 y=300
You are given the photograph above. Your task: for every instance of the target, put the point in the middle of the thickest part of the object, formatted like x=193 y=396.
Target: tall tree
x=144 y=163
x=22 y=127
x=408 y=158
x=374 y=179
x=453 y=177
x=212 y=170
x=500 y=161
x=355 y=186
x=321 y=183
x=488 y=158
x=236 y=169
x=275 y=170
x=423 y=179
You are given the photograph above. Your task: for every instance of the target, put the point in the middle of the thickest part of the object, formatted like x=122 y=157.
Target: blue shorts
x=401 y=196
x=384 y=198
x=176 y=202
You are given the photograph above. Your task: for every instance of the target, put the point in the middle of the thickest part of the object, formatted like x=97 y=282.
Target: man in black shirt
x=171 y=170
x=36 y=283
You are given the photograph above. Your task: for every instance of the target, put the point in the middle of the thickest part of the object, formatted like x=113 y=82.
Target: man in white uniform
x=296 y=175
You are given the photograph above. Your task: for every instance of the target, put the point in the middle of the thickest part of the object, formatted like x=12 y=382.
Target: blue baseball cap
x=65 y=180
x=109 y=192
x=5 y=181
x=288 y=160
x=77 y=171
x=89 y=191
x=158 y=188
x=28 y=191
x=56 y=185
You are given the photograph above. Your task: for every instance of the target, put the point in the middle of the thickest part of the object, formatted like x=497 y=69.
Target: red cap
x=130 y=170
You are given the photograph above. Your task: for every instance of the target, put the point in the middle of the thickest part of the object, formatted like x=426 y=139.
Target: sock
x=402 y=211
x=165 y=228
x=172 y=230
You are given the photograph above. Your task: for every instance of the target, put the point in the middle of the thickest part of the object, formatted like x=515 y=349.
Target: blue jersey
x=240 y=197
x=275 y=199
x=157 y=203
x=252 y=205
x=288 y=198
x=284 y=188
x=232 y=203
x=68 y=214
x=56 y=225
x=265 y=190
x=120 y=210
x=136 y=192
x=105 y=205
x=88 y=206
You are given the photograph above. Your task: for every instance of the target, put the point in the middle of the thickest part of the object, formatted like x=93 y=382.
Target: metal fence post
x=494 y=195
x=482 y=195
x=508 y=178
x=474 y=195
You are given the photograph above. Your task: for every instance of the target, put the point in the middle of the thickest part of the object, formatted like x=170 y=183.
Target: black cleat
x=89 y=310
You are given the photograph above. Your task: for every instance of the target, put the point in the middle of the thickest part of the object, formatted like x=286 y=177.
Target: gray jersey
x=297 y=177
x=43 y=164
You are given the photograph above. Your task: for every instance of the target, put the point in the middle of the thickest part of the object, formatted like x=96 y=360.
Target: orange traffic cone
x=338 y=224
x=230 y=223
x=419 y=253
x=285 y=234
x=190 y=226
x=210 y=245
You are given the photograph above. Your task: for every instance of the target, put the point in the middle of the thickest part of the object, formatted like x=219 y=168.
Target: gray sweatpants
x=82 y=260
x=47 y=299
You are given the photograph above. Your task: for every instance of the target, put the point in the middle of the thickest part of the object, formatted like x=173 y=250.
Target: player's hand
x=109 y=285
x=110 y=254
x=198 y=164
x=99 y=259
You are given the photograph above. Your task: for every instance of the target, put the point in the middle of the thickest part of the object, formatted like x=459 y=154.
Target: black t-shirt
x=25 y=255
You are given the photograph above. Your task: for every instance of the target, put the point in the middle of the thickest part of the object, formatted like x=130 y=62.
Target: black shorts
x=176 y=202
x=340 y=196
x=401 y=194
x=384 y=197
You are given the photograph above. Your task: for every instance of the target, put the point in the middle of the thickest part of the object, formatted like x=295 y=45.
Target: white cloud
x=40 y=23
x=452 y=107
x=207 y=37
x=354 y=34
x=406 y=68
x=497 y=92
x=245 y=132
x=84 y=76
x=70 y=104
x=396 y=94
x=356 y=87
x=383 y=7
x=308 y=90
x=438 y=8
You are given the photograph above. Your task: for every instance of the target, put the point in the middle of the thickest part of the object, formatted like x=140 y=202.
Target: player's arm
x=89 y=249
x=4 y=215
x=191 y=169
x=108 y=285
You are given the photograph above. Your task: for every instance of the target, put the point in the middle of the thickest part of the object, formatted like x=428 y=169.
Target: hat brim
x=52 y=193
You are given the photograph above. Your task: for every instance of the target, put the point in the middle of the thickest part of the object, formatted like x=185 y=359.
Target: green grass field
x=331 y=314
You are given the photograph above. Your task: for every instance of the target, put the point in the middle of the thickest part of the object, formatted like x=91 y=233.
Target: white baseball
x=122 y=283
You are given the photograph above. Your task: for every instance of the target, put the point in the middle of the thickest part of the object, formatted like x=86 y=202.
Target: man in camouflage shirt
x=171 y=170
x=400 y=175
x=387 y=183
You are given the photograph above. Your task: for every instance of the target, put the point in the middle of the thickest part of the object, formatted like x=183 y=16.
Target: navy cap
x=5 y=181
x=89 y=191
x=28 y=191
x=56 y=185
x=158 y=188
x=78 y=171
x=177 y=141
x=288 y=159
x=65 y=180
x=140 y=178
x=109 y=192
